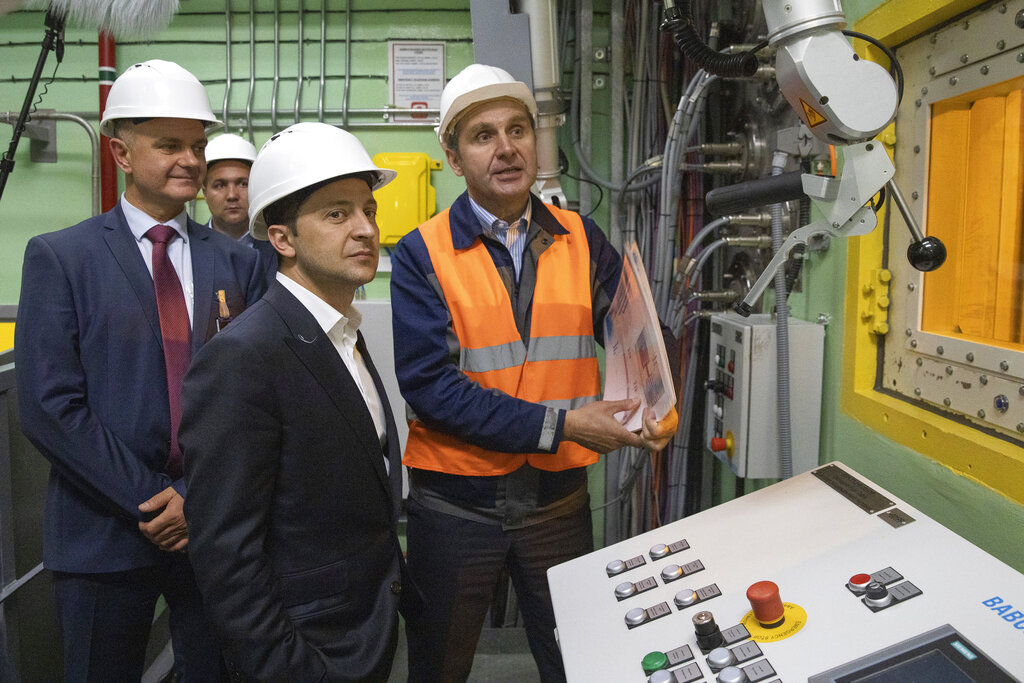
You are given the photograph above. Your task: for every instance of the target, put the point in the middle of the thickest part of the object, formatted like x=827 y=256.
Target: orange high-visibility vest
x=558 y=369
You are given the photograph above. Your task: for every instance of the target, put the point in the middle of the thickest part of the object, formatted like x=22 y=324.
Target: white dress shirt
x=139 y=222
x=341 y=330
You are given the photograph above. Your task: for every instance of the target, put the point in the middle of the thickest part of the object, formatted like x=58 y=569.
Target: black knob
x=708 y=634
x=743 y=308
x=876 y=591
x=927 y=254
x=715 y=385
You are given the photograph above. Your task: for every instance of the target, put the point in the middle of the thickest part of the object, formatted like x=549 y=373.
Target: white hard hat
x=230 y=146
x=475 y=84
x=157 y=89
x=303 y=155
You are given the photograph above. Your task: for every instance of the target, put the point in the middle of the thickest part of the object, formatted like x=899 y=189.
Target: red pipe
x=108 y=171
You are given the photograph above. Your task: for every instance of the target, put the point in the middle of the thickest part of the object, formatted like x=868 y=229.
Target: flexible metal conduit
x=252 y=70
x=94 y=141
x=781 y=334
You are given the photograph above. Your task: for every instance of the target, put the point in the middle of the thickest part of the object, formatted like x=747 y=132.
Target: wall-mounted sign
x=416 y=75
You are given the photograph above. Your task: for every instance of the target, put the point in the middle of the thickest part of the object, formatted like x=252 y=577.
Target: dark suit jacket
x=268 y=255
x=92 y=384
x=292 y=518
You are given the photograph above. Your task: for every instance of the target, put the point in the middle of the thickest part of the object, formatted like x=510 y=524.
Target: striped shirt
x=512 y=236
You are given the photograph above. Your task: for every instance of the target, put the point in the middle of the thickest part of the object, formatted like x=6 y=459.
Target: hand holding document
x=636 y=364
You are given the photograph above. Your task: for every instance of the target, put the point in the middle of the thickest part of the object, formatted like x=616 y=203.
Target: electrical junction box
x=408 y=200
x=742 y=403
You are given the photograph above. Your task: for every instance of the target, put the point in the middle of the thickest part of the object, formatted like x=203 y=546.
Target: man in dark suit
x=100 y=350
x=291 y=452
x=226 y=191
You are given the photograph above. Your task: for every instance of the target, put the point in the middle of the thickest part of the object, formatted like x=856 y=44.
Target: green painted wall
x=41 y=197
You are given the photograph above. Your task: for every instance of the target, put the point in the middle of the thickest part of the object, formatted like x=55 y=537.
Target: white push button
x=732 y=674
x=720 y=657
x=636 y=616
x=671 y=572
x=685 y=597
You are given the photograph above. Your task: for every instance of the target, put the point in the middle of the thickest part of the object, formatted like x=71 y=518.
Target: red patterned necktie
x=175 y=330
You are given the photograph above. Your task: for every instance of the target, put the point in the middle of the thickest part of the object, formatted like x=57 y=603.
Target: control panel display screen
x=931 y=666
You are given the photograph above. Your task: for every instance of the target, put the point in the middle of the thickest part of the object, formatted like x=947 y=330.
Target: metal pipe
x=348 y=63
x=382 y=111
x=108 y=72
x=617 y=122
x=94 y=141
x=227 y=60
x=252 y=69
x=721 y=148
x=277 y=64
x=544 y=58
x=323 y=61
x=299 y=73
x=585 y=41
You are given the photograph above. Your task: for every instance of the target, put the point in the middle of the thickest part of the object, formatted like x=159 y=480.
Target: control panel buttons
x=662 y=676
x=708 y=635
x=653 y=661
x=685 y=598
x=671 y=572
x=766 y=603
x=636 y=616
x=858 y=582
x=618 y=566
x=659 y=551
x=615 y=567
x=624 y=590
x=877 y=595
x=721 y=657
x=732 y=674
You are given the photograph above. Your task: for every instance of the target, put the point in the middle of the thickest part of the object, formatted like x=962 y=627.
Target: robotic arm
x=843 y=100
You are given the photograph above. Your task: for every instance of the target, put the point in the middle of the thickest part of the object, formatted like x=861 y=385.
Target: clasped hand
x=167 y=529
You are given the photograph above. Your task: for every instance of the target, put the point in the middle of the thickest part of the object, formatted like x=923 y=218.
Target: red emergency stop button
x=766 y=603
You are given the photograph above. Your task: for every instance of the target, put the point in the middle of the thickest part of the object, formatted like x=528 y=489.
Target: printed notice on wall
x=636 y=363
x=416 y=74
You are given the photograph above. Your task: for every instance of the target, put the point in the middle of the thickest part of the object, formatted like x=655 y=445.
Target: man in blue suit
x=111 y=310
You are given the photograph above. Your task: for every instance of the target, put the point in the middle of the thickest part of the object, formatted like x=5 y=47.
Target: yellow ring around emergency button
x=795 y=617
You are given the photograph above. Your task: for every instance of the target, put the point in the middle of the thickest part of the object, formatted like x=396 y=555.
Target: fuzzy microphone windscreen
x=121 y=18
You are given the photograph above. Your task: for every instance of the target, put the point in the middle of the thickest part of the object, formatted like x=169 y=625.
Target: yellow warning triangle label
x=813 y=117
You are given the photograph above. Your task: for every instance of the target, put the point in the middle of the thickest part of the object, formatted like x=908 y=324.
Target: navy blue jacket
x=92 y=383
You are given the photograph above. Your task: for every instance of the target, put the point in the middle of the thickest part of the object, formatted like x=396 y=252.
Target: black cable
x=894 y=64
x=600 y=196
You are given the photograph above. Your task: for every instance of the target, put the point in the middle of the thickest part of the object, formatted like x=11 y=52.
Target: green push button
x=654 y=661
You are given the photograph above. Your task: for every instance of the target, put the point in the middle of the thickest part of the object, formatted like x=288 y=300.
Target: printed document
x=636 y=364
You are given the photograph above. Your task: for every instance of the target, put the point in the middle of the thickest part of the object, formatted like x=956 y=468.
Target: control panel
x=741 y=427
x=823 y=577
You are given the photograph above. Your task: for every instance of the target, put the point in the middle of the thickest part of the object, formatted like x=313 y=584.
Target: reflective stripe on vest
x=559 y=367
